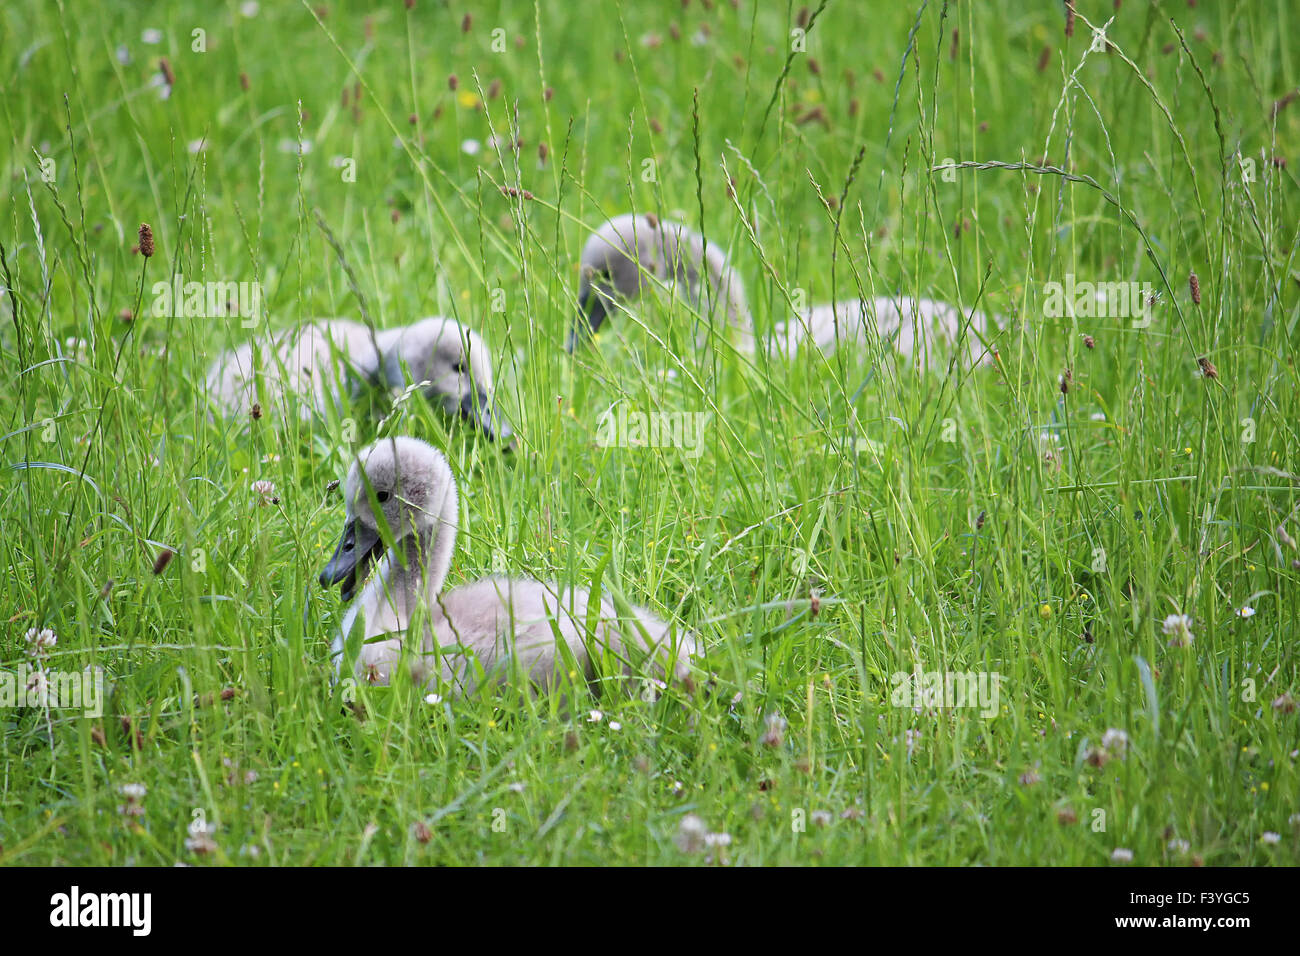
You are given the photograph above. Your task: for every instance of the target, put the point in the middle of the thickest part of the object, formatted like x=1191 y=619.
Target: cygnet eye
x=382 y=496
x=459 y=368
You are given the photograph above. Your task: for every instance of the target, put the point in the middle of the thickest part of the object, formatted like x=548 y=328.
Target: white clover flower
x=1178 y=628
x=1270 y=838
x=265 y=490
x=595 y=717
x=40 y=641
x=1122 y=855
x=133 y=792
x=773 y=730
x=433 y=700
x=1098 y=416
x=692 y=834
x=1179 y=846
x=202 y=844
x=471 y=147
x=717 y=839
x=820 y=818
x=151 y=36
x=1115 y=743
x=249 y=9
x=301 y=147
x=516 y=787
x=615 y=725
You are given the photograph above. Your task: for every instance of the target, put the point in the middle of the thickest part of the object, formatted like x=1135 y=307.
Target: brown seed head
x=1195 y=284
x=146 y=240
x=164 y=558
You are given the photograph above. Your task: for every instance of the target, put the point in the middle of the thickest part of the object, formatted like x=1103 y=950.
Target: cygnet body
x=627 y=253
x=483 y=631
x=924 y=332
x=329 y=362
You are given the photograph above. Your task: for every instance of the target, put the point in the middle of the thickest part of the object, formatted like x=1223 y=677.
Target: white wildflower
x=1115 y=743
x=692 y=834
x=1178 y=628
x=40 y=642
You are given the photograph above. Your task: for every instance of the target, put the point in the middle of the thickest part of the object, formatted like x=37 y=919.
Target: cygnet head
x=612 y=260
x=402 y=484
x=455 y=363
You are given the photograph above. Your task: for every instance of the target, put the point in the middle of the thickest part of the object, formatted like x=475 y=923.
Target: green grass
x=921 y=508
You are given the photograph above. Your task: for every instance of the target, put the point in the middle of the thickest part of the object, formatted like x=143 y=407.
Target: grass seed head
x=164 y=558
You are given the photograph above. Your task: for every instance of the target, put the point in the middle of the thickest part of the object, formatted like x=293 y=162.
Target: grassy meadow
x=1100 y=525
